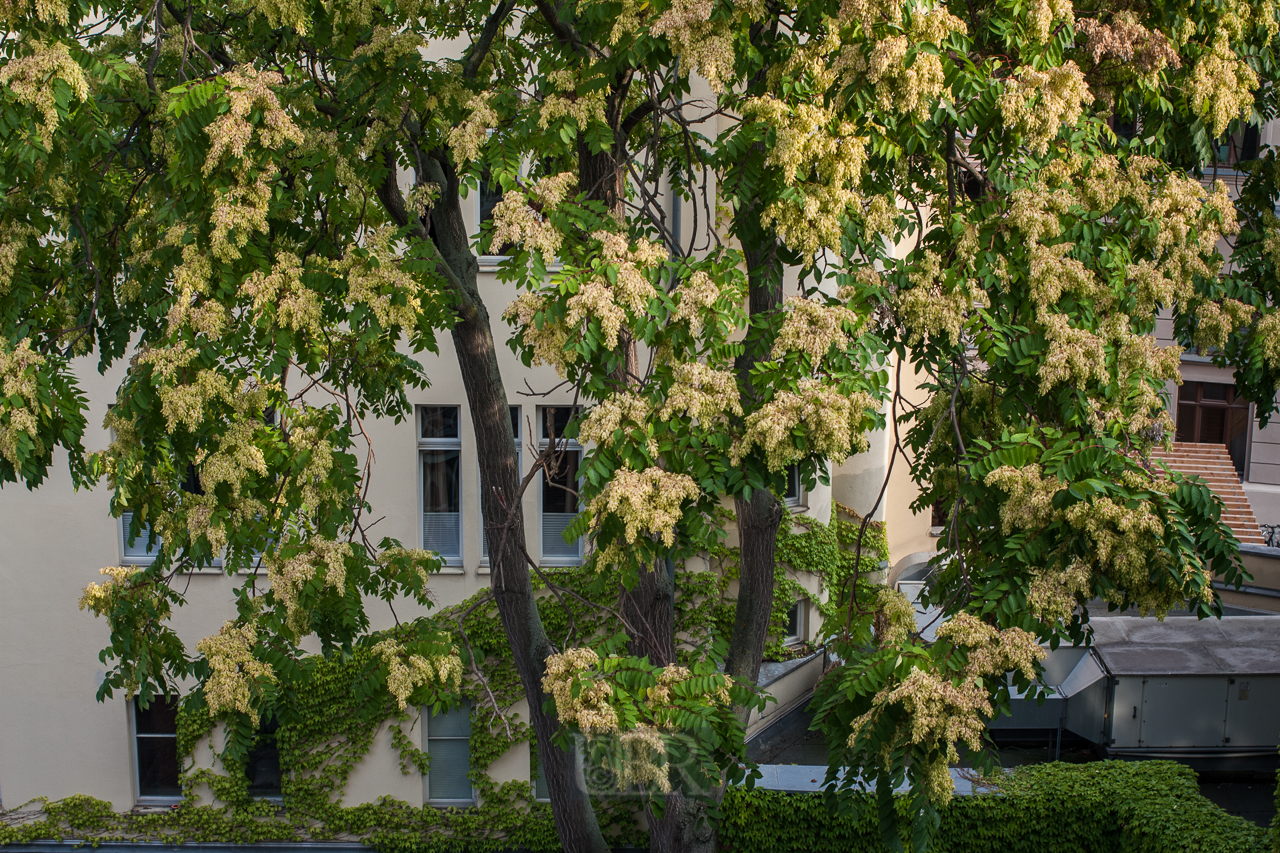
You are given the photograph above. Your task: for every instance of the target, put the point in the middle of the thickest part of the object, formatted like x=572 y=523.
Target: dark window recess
x=440 y=481
x=1212 y=413
x=557 y=418
x=156 y=738
x=515 y=422
x=1239 y=147
x=940 y=517
x=191 y=483
x=560 y=487
x=439 y=421
x=792 y=494
x=263 y=763
x=490 y=195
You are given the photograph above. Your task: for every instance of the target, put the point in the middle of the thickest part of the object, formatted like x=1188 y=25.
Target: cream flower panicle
x=648 y=502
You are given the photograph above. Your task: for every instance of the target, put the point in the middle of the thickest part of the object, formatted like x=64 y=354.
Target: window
x=559 y=488
x=541 y=791
x=138 y=548
x=795 y=623
x=1239 y=147
x=489 y=195
x=440 y=451
x=447 y=737
x=263 y=763
x=155 y=749
x=484 y=533
x=1212 y=413
x=793 y=493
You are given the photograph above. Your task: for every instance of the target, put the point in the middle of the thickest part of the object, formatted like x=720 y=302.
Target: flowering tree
x=262 y=210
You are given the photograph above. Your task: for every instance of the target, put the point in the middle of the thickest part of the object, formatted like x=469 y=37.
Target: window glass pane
x=541 y=791
x=1213 y=422
x=447 y=778
x=448 y=745
x=559 y=416
x=455 y=722
x=515 y=422
x=440 y=480
x=439 y=421
x=560 y=487
x=793 y=620
x=1186 y=423
x=138 y=548
x=793 y=484
x=1216 y=391
x=158 y=766
x=263 y=764
x=159 y=718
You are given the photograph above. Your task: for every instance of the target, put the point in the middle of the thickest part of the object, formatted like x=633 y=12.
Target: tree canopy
x=258 y=206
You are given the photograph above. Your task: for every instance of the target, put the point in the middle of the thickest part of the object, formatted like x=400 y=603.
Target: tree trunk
x=758 y=518
x=757 y=539
x=575 y=819
x=649 y=609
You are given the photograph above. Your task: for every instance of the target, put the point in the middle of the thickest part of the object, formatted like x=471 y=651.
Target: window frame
x=425 y=445
x=136 y=771
x=571 y=446
x=516 y=413
x=427 y=737
x=802 y=613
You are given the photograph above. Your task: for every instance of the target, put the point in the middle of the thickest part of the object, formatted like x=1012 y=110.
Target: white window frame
x=138 y=797
x=517 y=413
x=429 y=444
x=570 y=445
x=427 y=737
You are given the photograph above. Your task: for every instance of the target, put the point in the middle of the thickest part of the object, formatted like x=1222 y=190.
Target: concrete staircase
x=1212 y=463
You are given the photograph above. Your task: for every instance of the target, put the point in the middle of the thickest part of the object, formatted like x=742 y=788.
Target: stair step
x=1211 y=464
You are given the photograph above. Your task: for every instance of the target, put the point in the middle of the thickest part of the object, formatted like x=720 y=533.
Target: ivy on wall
x=327 y=726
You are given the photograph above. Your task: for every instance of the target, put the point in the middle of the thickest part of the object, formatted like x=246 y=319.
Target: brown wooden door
x=1212 y=413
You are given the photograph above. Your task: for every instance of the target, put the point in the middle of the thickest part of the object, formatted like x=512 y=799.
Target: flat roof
x=1184 y=645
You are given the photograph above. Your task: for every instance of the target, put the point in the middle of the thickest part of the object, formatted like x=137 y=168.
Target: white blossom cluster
x=322 y=561
x=236 y=673
x=19 y=401
x=833 y=423
x=648 y=502
x=30 y=78
x=407 y=672
x=590 y=710
x=813 y=327
x=702 y=393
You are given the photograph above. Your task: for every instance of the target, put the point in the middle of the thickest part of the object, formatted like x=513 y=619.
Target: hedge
x=1100 y=807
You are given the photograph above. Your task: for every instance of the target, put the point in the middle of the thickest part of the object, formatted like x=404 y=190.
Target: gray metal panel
x=1060 y=662
x=1253 y=712
x=1026 y=713
x=1086 y=712
x=1085 y=673
x=1182 y=711
x=1126 y=712
x=1143 y=659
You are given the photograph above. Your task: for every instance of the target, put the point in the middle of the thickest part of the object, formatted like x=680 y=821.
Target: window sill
x=452 y=569
x=156 y=805
x=938 y=532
